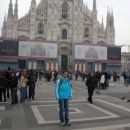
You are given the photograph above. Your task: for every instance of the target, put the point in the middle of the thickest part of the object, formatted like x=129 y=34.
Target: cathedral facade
x=65 y=22
x=57 y=20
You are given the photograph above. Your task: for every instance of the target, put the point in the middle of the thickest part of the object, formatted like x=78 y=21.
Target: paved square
x=1 y=109
x=110 y=127
x=46 y=114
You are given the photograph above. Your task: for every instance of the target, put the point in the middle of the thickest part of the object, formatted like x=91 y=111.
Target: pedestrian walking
x=63 y=93
x=2 y=88
x=91 y=84
x=102 y=81
x=55 y=76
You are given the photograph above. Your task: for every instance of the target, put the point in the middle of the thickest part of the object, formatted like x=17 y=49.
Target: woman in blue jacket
x=63 y=93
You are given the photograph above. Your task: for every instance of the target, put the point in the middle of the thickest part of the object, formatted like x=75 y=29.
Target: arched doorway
x=64 y=62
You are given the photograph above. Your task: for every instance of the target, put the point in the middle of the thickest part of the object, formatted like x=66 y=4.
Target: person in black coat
x=91 y=84
x=32 y=79
x=2 y=87
x=7 y=77
x=13 y=88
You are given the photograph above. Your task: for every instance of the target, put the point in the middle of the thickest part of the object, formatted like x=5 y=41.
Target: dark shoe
x=62 y=124
x=68 y=124
x=90 y=101
x=16 y=102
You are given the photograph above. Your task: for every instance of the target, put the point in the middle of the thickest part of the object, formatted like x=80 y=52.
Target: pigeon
x=122 y=98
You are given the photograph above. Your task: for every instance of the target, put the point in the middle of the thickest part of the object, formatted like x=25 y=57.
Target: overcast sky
x=121 y=9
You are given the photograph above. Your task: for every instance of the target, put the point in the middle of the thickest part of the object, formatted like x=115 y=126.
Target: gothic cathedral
x=65 y=21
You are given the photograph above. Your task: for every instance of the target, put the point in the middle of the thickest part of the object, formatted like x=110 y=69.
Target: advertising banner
x=90 y=52
x=114 y=53
x=9 y=48
x=37 y=49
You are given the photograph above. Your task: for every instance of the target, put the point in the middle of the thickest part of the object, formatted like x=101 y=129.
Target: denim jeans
x=22 y=94
x=14 y=96
x=26 y=93
x=126 y=82
x=64 y=110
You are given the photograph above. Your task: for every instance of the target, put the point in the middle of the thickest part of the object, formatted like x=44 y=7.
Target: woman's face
x=65 y=74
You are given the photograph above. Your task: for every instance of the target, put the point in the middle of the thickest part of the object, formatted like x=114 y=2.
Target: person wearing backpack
x=63 y=93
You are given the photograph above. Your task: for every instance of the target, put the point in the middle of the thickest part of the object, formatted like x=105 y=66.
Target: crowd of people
x=11 y=81
x=103 y=78
x=24 y=81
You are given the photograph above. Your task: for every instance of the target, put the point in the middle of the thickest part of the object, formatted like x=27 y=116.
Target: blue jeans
x=64 y=110
x=26 y=93
x=22 y=94
x=14 y=96
x=126 y=82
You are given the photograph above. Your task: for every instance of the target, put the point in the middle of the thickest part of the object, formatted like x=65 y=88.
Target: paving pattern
x=108 y=112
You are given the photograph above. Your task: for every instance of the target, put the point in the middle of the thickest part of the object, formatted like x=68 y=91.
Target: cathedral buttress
x=32 y=19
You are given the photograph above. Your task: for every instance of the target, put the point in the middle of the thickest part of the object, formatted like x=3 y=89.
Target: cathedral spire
x=108 y=17
x=33 y=2
x=102 y=23
x=4 y=27
x=10 y=10
x=33 y=6
x=94 y=5
x=5 y=17
x=32 y=19
x=16 y=10
x=4 y=23
x=112 y=19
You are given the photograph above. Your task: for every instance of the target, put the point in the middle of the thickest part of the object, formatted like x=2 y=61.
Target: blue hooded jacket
x=63 y=89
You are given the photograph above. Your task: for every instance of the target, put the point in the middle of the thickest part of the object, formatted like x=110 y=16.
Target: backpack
x=61 y=81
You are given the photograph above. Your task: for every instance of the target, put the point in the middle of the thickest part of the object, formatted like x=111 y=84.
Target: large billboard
x=114 y=53
x=8 y=48
x=90 y=52
x=37 y=49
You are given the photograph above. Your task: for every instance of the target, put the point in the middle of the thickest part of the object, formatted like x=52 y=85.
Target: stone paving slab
x=83 y=115
x=83 y=112
x=112 y=127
